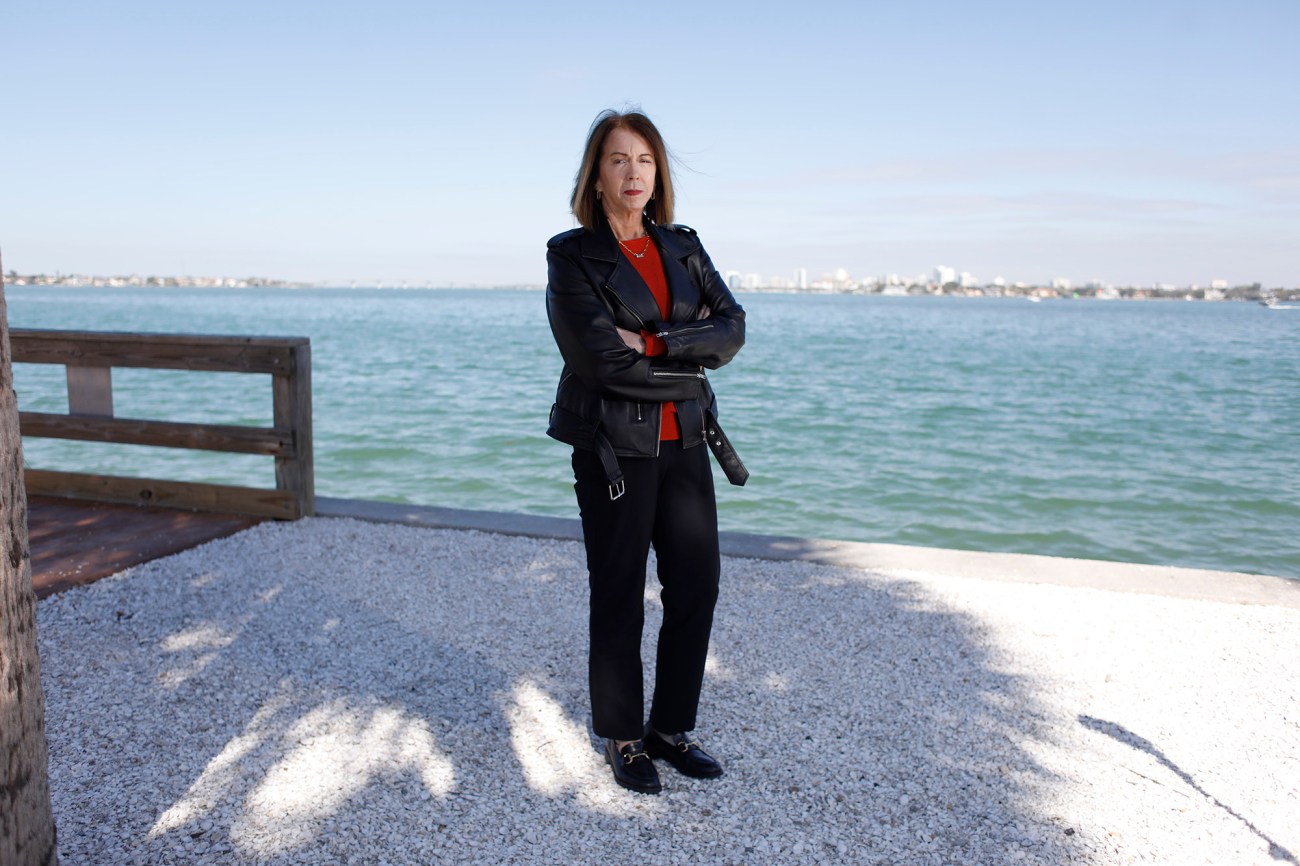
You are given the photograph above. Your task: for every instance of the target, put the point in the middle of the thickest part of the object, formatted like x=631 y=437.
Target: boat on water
x=1272 y=304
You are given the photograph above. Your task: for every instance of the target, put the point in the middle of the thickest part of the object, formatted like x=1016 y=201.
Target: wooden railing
x=89 y=357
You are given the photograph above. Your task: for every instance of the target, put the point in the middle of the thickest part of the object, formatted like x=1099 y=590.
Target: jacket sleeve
x=709 y=342
x=584 y=330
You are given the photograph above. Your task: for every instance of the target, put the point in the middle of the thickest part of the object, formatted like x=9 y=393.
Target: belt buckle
x=616 y=490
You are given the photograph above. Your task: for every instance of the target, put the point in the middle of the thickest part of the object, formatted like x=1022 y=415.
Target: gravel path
x=331 y=691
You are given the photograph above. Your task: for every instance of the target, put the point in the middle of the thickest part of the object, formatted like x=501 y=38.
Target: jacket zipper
x=675 y=374
x=686 y=330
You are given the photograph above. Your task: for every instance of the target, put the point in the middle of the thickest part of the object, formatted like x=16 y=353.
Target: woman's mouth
x=632 y=192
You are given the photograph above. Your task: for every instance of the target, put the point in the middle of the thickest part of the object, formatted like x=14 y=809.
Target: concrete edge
x=1169 y=581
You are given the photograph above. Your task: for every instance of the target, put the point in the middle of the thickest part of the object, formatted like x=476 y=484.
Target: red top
x=651 y=269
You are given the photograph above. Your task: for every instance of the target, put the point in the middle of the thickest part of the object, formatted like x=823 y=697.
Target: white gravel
x=330 y=691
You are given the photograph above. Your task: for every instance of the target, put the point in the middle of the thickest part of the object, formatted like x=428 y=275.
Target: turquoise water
x=1146 y=432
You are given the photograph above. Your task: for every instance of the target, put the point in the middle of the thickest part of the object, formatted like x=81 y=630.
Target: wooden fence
x=89 y=357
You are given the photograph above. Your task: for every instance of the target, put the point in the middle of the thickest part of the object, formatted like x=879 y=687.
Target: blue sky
x=1129 y=142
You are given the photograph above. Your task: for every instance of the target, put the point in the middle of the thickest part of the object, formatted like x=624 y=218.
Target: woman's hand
x=634 y=341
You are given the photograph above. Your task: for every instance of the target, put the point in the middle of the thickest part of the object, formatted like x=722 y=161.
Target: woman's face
x=627 y=172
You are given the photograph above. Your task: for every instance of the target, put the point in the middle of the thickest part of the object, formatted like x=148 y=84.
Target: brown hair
x=586 y=206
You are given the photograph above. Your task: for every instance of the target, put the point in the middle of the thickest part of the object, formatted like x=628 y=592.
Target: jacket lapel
x=685 y=295
x=623 y=281
x=626 y=283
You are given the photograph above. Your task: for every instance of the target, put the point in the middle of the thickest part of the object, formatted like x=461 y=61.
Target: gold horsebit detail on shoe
x=627 y=759
x=685 y=745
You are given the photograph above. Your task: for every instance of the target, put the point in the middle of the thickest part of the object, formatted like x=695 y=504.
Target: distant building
x=944 y=274
x=1061 y=284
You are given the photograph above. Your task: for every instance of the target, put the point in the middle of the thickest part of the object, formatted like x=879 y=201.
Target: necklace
x=645 y=247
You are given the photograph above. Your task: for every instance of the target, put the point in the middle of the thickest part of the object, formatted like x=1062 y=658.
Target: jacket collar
x=677 y=244
x=600 y=243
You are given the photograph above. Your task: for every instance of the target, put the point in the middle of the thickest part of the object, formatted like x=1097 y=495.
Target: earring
x=597 y=195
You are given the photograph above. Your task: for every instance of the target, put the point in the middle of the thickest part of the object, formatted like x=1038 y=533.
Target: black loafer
x=632 y=767
x=684 y=754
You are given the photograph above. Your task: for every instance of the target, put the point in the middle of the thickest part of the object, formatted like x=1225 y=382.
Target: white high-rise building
x=944 y=274
x=801 y=278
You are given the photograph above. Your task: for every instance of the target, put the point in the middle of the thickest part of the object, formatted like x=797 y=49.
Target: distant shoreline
x=1249 y=294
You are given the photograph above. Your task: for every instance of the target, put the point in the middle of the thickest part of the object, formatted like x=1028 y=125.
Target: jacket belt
x=728 y=459
x=718 y=442
x=609 y=460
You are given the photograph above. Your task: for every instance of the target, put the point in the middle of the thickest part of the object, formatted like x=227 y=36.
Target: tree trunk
x=26 y=820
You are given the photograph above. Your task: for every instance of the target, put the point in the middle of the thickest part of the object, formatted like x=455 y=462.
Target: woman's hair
x=586 y=206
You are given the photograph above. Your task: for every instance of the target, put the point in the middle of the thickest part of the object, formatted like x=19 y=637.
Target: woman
x=638 y=310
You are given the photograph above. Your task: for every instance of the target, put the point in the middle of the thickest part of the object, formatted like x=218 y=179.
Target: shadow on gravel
x=337 y=692
x=1142 y=744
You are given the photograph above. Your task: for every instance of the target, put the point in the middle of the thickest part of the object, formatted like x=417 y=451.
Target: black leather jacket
x=609 y=390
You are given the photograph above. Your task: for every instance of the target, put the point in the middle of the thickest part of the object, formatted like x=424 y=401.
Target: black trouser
x=668 y=502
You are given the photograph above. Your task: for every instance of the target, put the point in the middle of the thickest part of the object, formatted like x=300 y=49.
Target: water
x=1146 y=432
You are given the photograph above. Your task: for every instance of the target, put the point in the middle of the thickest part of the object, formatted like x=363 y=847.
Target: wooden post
x=90 y=391
x=292 y=409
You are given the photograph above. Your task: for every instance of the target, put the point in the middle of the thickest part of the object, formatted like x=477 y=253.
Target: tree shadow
x=1124 y=735
x=347 y=692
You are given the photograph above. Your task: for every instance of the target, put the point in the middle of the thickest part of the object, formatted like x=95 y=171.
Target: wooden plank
x=166 y=494
x=163 y=351
x=271 y=441
x=75 y=542
x=90 y=391
x=291 y=401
